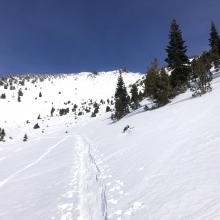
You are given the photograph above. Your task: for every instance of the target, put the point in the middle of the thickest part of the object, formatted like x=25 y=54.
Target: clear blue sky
x=42 y=36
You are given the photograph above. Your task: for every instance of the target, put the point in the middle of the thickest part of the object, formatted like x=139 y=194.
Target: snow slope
x=165 y=167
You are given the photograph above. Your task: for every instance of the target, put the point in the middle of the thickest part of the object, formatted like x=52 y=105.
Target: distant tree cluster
x=63 y=111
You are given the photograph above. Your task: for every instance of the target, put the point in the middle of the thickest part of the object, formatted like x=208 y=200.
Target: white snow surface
x=165 y=167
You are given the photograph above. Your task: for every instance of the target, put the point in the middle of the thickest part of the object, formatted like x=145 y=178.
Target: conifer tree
x=52 y=111
x=121 y=100
x=201 y=77
x=151 y=80
x=214 y=42
x=2 y=134
x=177 y=59
x=163 y=89
x=134 y=97
x=157 y=86
x=25 y=138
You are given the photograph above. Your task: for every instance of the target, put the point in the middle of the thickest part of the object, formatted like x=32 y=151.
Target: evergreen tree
x=108 y=109
x=121 y=100
x=19 y=98
x=201 y=77
x=25 y=138
x=163 y=89
x=134 y=97
x=214 y=42
x=2 y=134
x=177 y=59
x=151 y=80
x=157 y=86
x=20 y=93
x=52 y=111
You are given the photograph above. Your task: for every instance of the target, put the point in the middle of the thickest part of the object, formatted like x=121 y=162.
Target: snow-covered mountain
x=165 y=167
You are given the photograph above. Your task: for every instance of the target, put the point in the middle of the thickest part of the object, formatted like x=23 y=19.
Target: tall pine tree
x=121 y=100
x=177 y=59
x=134 y=97
x=151 y=80
x=214 y=42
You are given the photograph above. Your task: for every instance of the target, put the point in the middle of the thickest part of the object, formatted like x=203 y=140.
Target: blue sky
x=44 y=36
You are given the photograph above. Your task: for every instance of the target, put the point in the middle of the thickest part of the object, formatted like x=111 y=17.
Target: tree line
x=181 y=73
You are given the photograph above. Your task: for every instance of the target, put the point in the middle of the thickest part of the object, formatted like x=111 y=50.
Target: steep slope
x=166 y=166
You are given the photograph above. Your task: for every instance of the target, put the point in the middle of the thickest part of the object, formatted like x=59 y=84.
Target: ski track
x=6 y=180
x=85 y=196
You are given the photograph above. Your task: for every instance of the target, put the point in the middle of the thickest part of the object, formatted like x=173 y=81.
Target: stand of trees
x=162 y=84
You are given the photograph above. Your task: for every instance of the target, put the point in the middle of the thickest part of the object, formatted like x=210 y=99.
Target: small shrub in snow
x=3 y=96
x=25 y=138
x=108 y=109
x=2 y=134
x=93 y=115
x=20 y=93
x=36 y=126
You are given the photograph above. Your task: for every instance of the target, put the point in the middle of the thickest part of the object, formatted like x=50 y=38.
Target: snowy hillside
x=58 y=91
x=165 y=167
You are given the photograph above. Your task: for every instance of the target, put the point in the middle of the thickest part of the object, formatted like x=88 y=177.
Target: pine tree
x=108 y=109
x=157 y=86
x=2 y=134
x=25 y=137
x=52 y=111
x=201 y=77
x=177 y=59
x=121 y=100
x=214 y=42
x=163 y=89
x=134 y=97
x=151 y=80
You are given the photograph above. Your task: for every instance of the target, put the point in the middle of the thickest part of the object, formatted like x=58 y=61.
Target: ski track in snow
x=6 y=180
x=86 y=192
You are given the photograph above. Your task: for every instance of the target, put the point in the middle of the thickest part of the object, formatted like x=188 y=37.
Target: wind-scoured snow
x=165 y=167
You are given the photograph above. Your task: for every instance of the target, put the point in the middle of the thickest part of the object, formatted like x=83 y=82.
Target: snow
x=166 y=167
